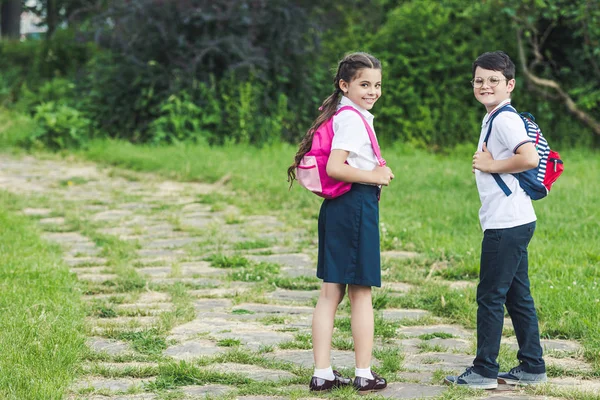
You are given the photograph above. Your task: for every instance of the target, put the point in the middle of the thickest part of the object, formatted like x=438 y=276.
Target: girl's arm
x=339 y=170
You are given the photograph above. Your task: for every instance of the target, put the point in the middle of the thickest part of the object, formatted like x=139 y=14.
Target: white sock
x=324 y=373
x=363 y=373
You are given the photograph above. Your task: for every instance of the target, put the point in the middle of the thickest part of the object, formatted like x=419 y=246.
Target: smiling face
x=488 y=95
x=364 y=89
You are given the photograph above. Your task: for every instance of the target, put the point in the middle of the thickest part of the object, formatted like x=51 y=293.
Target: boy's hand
x=383 y=175
x=482 y=160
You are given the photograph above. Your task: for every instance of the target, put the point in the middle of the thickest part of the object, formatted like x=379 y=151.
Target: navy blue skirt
x=349 y=251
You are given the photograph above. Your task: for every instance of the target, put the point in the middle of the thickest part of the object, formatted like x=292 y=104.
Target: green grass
x=41 y=317
x=431 y=208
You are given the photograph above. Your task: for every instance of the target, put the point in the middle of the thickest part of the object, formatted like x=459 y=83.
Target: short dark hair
x=496 y=61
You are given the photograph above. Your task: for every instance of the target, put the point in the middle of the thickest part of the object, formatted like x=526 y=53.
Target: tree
x=559 y=52
x=10 y=18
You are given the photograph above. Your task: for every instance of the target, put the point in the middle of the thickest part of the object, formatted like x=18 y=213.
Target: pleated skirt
x=349 y=249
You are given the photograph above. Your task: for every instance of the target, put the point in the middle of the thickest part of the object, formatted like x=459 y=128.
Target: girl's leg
x=362 y=321
x=322 y=323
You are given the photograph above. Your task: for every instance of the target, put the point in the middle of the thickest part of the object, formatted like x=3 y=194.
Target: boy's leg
x=362 y=321
x=322 y=324
x=501 y=254
x=521 y=308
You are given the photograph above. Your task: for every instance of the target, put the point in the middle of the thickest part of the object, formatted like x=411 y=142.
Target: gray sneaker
x=517 y=376
x=472 y=380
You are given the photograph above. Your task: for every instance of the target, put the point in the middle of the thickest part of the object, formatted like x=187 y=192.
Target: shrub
x=61 y=126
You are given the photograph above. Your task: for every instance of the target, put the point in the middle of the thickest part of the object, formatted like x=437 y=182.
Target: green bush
x=31 y=63
x=61 y=126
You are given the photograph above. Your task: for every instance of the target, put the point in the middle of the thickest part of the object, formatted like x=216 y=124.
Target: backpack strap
x=497 y=177
x=374 y=142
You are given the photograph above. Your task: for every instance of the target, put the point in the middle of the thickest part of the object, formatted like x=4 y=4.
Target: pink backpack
x=312 y=170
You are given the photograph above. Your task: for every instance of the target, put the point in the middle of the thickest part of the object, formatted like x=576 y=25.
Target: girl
x=349 y=225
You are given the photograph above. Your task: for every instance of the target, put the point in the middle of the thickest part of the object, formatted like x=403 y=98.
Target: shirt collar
x=345 y=101
x=491 y=113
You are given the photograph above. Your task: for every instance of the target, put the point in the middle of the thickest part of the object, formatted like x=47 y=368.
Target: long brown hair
x=347 y=69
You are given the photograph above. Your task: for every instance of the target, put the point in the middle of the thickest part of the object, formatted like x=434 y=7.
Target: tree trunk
x=10 y=19
x=52 y=17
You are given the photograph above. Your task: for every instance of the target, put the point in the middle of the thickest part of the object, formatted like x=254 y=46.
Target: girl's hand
x=382 y=175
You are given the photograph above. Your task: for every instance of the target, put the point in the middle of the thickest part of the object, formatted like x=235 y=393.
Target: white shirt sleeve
x=511 y=130
x=349 y=132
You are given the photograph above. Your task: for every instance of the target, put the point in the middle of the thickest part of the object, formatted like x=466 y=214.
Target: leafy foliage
x=256 y=49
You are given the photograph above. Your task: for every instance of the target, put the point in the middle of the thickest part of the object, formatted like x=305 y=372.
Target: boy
x=508 y=223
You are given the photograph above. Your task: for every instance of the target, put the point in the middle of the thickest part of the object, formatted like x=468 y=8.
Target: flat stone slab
x=552 y=344
x=275 y=309
x=451 y=344
x=36 y=212
x=154 y=297
x=155 y=272
x=295 y=260
x=190 y=350
x=123 y=322
x=76 y=261
x=98 y=278
x=581 y=385
x=121 y=366
x=399 y=390
x=117 y=231
x=254 y=337
x=502 y=395
x=435 y=361
x=111 y=215
x=339 y=358
x=113 y=385
x=400 y=314
x=171 y=243
x=271 y=398
x=396 y=287
x=143 y=396
x=253 y=372
x=160 y=253
x=65 y=237
x=204 y=305
x=569 y=363
x=108 y=346
x=207 y=390
x=429 y=329
x=294 y=296
x=201 y=268
x=267 y=221
x=416 y=377
x=409 y=346
x=52 y=221
x=297 y=272
x=231 y=290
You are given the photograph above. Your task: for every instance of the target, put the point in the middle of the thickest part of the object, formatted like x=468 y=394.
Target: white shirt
x=499 y=211
x=350 y=134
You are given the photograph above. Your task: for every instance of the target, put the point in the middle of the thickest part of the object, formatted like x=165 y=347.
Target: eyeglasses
x=492 y=81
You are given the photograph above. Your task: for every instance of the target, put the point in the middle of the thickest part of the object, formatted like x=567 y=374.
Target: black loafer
x=320 y=384
x=369 y=385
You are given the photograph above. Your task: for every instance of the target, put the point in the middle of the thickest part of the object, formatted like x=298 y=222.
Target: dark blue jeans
x=504 y=280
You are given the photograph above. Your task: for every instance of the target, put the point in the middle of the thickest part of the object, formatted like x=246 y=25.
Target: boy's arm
x=339 y=170
x=526 y=157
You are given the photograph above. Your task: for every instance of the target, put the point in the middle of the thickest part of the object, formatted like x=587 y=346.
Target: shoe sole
x=518 y=383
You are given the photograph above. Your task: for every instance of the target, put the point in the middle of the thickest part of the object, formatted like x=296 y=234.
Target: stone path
x=188 y=298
